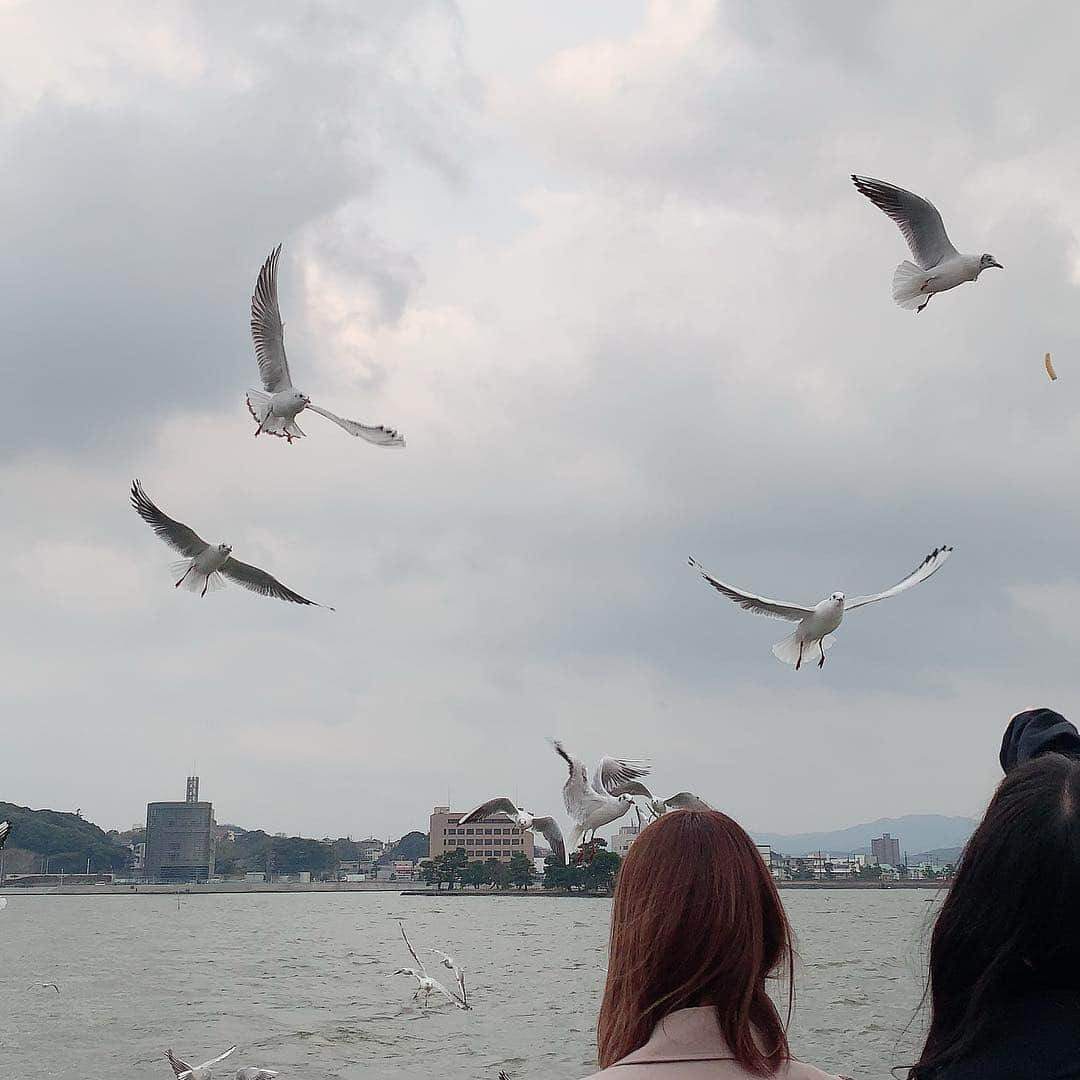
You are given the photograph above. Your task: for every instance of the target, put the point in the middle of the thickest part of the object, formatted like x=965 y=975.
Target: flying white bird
x=816 y=624
x=450 y=963
x=940 y=266
x=44 y=986
x=591 y=805
x=204 y=566
x=275 y=411
x=683 y=800
x=425 y=984
x=252 y=1073
x=5 y=828
x=547 y=827
x=184 y=1071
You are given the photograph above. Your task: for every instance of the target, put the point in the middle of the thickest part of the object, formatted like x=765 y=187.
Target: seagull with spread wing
x=818 y=623
x=184 y=1071
x=425 y=984
x=682 y=800
x=450 y=963
x=205 y=567
x=277 y=405
x=938 y=265
x=592 y=805
x=547 y=827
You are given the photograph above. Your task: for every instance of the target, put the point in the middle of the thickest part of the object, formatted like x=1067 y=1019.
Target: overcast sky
x=603 y=266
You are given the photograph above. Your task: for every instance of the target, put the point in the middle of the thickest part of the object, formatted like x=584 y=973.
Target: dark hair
x=1011 y=920
x=696 y=920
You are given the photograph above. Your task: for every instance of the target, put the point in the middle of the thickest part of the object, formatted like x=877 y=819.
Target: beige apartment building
x=495 y=837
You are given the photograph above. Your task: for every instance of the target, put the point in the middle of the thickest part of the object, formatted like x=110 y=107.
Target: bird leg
x=821 y=646
x=206 y=585
x=798 y=663
x=186 y=572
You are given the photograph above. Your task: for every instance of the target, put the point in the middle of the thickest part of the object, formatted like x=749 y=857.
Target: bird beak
x=994 y=262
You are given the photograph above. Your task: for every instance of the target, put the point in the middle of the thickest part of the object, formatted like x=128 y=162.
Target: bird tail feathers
x=188 y=578
x=787 y=651
x=258 y=405
x=908 y=284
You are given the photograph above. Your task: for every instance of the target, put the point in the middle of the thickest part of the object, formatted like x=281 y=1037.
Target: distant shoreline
x=246 y=888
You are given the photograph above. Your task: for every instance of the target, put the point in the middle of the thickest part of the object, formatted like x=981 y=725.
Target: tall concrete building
x=495 y=837
x=885 y=850
x=179 y=838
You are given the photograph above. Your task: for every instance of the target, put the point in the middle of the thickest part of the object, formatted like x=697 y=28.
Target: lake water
x=301 y=982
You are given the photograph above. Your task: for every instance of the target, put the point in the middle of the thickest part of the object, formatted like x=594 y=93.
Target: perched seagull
x=275 y=411
x=683 y=800
x=448 y=961
x=5 y=828
x=252 y=1073
x=591 y=805
x=204 y=566
x=425 y=984
x=816 y=624
x=184 y=1071
x=940 y=266
x=547 y=827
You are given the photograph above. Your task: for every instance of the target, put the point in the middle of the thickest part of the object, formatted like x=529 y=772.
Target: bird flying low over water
x=253 y=1073
x=450 y=963
x=817 y=623
x=184 y=1071
x=939 y=265
x=425 y=984
x=205 y=567
x=547 y=827
x=277 y=405
x=592 y=805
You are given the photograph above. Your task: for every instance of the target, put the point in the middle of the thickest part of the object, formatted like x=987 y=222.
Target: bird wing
x=760 y=605
x=577 y=784
x=633 y=787
x=927 y=568
x=377 y=434
x=412 y=951
x=266 y=329
x=259 y=581
x=178 y=536
x=449 y=995
x=684 y=800
x=459 y=975
x=178 y=1067
x=492 y=806
x=5 y=828
x=220 y=1057
x=549 y=829
x=917 y=218
x=613 y=773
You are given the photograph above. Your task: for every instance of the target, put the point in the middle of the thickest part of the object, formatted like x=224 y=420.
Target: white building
x=621 y=841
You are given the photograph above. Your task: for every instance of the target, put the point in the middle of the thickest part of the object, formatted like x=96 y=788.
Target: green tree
x=475 y=874
x=598 y=873
x=557 y=875
x=521 y=870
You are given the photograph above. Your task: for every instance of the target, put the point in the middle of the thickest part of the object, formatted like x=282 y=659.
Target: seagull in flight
x=204 y=566
x=253 y=1073
x=44 y=986
x=425 y=984
x=818 y=623
x=683 y=800
x=592 y=805
x=938 y=265
x=547 y=827
x=277 y=405
x=449 y=962
x=184 y=1071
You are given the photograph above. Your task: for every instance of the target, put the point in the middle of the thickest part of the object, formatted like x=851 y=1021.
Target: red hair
x=696 y=920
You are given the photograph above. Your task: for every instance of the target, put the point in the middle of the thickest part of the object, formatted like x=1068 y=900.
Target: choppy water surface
x=302 y=983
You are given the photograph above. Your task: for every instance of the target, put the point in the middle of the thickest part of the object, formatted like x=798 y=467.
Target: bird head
x=838 y=596
x=404 y=971
x=987 y=261
x=524 y=819
x=627 y=800
x=225 y=549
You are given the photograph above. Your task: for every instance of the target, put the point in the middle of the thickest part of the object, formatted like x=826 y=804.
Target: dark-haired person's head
x=1010 y=925
x=696 y=921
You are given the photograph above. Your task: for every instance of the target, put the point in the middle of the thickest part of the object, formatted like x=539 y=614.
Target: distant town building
x=370 y=849
x=885 y=850
x=496 y=837
x=179 y=839
x=621 y=841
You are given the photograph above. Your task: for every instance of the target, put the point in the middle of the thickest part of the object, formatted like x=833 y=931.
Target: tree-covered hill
x=66 y=840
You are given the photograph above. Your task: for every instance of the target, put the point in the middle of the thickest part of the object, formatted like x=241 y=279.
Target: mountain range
x=916 y=833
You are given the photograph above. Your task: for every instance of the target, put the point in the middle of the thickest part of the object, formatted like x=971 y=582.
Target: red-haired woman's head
x=696 y=920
